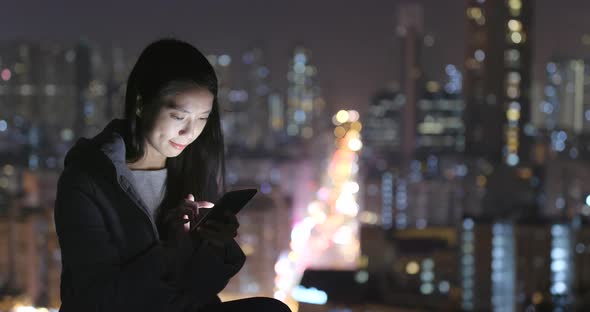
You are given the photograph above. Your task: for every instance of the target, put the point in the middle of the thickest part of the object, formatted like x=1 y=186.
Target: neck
x=151 y=160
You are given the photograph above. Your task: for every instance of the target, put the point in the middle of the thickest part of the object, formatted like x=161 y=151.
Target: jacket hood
x=104 y=155
x=104 y=151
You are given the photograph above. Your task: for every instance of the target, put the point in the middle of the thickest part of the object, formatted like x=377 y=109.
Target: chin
x=174 y=153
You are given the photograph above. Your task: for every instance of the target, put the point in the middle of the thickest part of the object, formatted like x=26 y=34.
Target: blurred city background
x=410 y=155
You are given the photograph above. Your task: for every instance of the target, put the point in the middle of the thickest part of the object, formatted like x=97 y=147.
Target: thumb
x=190 y=197
x=187 y=226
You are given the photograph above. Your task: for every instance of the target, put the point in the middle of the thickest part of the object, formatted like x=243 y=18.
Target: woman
x=126 y=198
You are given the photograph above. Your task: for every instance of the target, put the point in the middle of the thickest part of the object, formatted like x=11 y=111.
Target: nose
x=188 y=131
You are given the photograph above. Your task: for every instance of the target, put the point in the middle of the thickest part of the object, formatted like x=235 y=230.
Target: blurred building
x=519 y=265
x=382 y=132
x=567 y=94
x=306 y=109
x=37 y=94
x=561 y=189
x=425 y=268
x=382 y=149
x=497 y=80
x=413 y=138
x=249 y=105
x=409 y=31
x=24 y=262
x=53 y=265
x=476 y=265
x=411 y=269
x=256 y=130
x=566 y=125
x=439 y=116
x=340 y=290
x=581 y=259
x=431 y=193
x=567 y=189
x=53 y=93
x=230 y=99
x=245 y=99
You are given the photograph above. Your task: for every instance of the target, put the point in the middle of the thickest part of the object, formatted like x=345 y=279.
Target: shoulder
x=76 y=200
x=76 y=178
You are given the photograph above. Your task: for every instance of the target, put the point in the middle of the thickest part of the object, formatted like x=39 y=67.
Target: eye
x=204 y=118
x=177 y=118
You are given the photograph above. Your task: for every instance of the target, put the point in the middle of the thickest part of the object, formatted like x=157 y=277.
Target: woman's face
x=179 y=122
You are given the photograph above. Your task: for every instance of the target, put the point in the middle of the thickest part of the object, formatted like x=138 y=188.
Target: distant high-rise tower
x=409 y=30
x=256 y=129
x=305 y=107
x=497 y=83
x=439 y=113
x=231 y=101
x=383 y=127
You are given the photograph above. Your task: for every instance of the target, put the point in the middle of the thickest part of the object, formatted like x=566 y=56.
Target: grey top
x=150 y=184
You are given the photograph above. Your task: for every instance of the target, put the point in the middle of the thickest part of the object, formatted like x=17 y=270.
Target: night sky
x=353 y=42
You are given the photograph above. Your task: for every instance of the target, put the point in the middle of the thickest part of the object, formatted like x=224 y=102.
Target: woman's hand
x=194 y=207
x=177 y=222
x=220 y=231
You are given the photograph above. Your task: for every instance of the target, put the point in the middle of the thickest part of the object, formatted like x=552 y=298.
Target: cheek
x=200 y=129
x=166 y=129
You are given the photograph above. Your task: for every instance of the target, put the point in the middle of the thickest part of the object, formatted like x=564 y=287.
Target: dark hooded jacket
x=112 y=257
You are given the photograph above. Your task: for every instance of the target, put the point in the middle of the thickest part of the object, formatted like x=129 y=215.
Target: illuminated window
x=224 y=60
x=387 y=200
x=516 y=37
x=513 y=92
x=503 y=267
x=512 y=58
x=513 y=77
x=479 y=55
x=468 y=267
x=515 y=7
x=514 y=25
x=561 y=260
x=401 y=204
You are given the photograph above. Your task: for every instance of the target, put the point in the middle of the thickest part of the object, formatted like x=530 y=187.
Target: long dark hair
x=165 y=67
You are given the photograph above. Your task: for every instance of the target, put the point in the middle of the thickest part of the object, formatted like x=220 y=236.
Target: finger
x=190 y=197
x=178 y=213
x=205 y=204
x=192 y=204
x=187 y=225
x=179 y=224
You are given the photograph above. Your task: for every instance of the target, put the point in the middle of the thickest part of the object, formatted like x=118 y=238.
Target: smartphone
x=232 y=201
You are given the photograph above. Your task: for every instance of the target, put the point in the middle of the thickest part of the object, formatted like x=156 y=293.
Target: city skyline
x=359 y=36
x=420 y=154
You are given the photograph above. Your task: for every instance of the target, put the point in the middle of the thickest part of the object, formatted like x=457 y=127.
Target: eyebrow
x=176 y=107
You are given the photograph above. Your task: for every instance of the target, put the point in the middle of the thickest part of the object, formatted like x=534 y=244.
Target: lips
x=177 y=146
